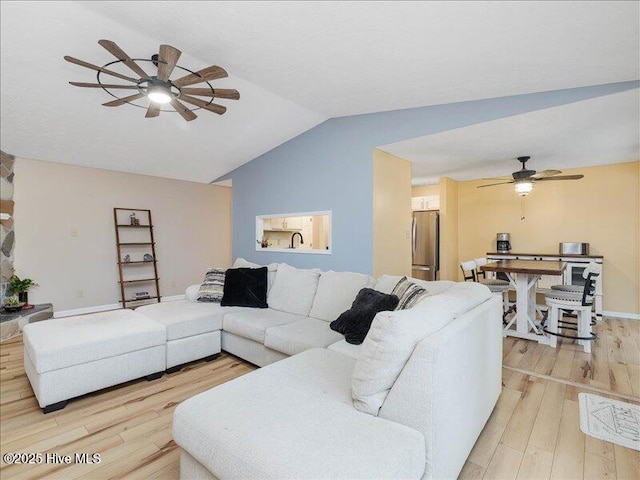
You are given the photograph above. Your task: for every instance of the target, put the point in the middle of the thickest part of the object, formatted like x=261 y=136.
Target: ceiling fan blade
x=506 y=177
x=212 y=107
x=99 y=69
x=204 y=75
x=563 y=177
x=187 y=114
x=103 y=85
x=494 y=184
x=167 y=59
x=153 y=110
x=117 y=52
x=229 y=93
x=122 y=101
x=546 y=173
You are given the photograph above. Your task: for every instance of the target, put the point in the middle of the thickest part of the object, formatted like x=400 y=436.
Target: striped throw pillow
x=409 y=293
x=212 y=288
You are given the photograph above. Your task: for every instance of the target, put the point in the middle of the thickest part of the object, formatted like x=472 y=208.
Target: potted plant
x=13 y=304
x=21 y=287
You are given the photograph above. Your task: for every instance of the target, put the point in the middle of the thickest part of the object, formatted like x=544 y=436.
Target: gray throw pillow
x=409 y=293
x=212 y=288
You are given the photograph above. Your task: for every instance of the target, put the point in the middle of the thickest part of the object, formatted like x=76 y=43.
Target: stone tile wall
x=7 y=238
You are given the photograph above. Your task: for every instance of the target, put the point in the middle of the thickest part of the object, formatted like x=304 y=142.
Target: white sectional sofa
x=409 y=402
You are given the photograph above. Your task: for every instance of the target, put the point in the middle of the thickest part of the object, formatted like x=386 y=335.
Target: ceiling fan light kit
x=524 y=179
x=523 y=188
x=159 y=89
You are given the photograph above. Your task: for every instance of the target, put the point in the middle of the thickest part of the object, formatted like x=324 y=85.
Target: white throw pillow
x=293 y=289
x=394 y=335
x=191 y=293
x=272 y=268
x=336 y=292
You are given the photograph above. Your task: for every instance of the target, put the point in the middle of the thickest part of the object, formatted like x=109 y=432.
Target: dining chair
x=470 y=271
x=561 y=302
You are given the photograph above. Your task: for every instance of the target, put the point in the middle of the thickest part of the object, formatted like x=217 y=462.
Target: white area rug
x=610 y=420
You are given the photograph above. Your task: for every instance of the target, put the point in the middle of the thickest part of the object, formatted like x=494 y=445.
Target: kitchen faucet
x=293 y=235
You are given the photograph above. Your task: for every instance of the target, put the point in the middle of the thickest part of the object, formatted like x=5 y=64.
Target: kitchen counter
x=568 y=255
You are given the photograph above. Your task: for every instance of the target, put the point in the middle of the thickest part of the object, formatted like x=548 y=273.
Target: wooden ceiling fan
x=525 y=178
x=158 y=88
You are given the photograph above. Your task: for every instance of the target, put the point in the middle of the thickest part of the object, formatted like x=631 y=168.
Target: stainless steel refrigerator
x=425 y=244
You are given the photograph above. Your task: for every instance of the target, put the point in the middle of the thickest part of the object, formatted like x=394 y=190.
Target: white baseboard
x=630 y=316
x=105 y=308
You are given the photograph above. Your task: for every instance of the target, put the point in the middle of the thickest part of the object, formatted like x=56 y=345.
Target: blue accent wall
x=330 y=168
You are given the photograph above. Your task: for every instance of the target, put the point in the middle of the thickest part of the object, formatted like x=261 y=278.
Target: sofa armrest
x=449 y=387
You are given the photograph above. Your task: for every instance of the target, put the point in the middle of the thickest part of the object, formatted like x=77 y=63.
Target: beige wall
x=192 y=226
x=425 y=190
x=448 y=229
x=602 y=209
x=391 y=214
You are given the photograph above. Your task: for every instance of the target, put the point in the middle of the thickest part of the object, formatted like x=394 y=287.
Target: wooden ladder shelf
x=123 y=248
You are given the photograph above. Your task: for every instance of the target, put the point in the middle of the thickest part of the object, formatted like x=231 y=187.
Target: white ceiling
x=295 y=64
x=598 y=131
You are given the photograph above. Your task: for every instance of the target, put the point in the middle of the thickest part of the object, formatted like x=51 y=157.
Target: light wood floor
x=533 y=432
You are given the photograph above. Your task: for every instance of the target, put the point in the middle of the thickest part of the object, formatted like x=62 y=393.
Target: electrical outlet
x=408 y=235
x=74 y=232
x=173 y=283
x=80 y=294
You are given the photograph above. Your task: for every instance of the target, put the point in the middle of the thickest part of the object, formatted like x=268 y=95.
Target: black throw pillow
x=245 y=287
x=355 y=323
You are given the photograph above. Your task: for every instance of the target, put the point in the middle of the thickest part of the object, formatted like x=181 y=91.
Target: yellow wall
x=425 y=190
x=448 y=229
x=602 y=209
x=192 y=226
x=391 y=214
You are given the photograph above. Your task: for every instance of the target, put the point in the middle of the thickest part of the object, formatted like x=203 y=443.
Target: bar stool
x=560 y=302
x=497 y=287
x=593 y=267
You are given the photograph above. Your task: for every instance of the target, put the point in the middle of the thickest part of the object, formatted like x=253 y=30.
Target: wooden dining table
x=523 y=276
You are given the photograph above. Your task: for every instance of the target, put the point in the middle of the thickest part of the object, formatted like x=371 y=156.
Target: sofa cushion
x=386 y=284
x=251 y=324
x=301 y=335
x=336 y=292
x=354 y=324
x=183 y=318
x=294 y=289
x=394 y=335
x=191 y=292
x=64 y=342
x=245 y=287
x=345 y=348
x=295 y=419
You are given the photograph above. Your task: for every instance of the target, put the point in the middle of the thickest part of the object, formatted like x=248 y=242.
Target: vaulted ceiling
x=296 y=64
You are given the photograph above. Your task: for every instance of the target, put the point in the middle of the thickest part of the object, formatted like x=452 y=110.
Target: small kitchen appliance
x=502 y=243
x=574 y=248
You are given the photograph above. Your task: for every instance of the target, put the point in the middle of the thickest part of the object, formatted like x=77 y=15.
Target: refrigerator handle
x=413 y=237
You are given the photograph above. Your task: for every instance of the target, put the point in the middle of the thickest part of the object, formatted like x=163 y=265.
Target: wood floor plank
x=504 y=464
x=545 y=429
x=598 y=468
x=490 y=436
x=518 y=430
x=536 y=464
x=627 y=463
x=568 y=459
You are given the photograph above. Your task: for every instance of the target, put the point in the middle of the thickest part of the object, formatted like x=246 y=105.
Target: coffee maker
x=502 y=243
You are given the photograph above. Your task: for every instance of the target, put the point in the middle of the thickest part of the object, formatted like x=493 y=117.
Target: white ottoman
x=193 y=329
x=68 y=357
